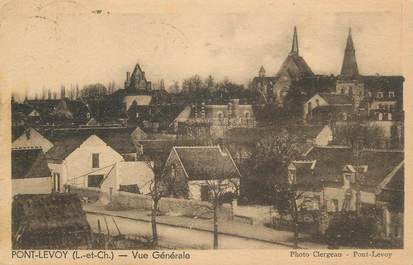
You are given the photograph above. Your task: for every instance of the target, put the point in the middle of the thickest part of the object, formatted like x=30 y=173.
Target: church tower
x=294 y=47
x=349 y=81
x=261 y=73
x=349 y=68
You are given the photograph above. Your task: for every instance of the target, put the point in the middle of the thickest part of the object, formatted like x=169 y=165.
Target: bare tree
x=287 y=200
x=162 y=185
x=220 y=190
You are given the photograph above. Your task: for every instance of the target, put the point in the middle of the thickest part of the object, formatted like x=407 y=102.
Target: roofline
x=233 y=162
x=180 y=161
x=34 y=147
x=389 y=177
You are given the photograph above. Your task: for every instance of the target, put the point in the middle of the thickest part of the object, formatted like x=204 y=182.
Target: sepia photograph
x=166 y=130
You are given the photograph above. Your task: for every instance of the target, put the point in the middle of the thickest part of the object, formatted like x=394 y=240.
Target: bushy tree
x=268 y=165
x=351 y=229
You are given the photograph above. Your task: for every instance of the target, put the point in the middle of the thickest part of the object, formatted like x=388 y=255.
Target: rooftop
x=207 y=162
x=29 y=163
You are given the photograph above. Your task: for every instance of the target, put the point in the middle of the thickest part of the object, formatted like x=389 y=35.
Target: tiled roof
x=43 y=217
x=331 y=160
x=336 y=99
x=29 y=163
x=64 y=146
x=117 y=138
x=207 y=162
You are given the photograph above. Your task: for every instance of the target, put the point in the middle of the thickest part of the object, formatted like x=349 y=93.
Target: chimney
x=127 y=77
x=203 y=110
x=230 y=109
x=27 y=132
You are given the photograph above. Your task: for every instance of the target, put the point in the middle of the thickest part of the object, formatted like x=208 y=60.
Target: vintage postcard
x=216 y=132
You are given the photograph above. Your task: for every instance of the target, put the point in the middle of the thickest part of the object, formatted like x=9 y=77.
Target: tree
x=356 y=133
x=220 y=190
x=352 y=229
x=286 y=201
x=162 y=185
x=268 y=165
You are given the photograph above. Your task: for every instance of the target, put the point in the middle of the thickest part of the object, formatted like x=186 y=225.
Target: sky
x=49 y=43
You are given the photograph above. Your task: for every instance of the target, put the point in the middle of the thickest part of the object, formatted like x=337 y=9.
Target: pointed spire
x=261 y=73
x=294 y=47
x=349 y=67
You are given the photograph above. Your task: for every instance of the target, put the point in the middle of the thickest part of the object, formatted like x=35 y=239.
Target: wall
x=92 y=194
x=61 y=170
x=257 y=214
x=32 y=186
x=127 y=173
x=324 y=137
x=195 y=187
x=180 y=207
x=79 y=163
x=313 y=101
x=141 y=100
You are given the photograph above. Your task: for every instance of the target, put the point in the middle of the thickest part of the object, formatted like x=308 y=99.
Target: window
x=369 y=94
x=379 y=94
x=344 y=116
x=391 y=94
x=247 y=114
x=380 y=116
x=220 y=115
x=342 y=91
x=317 y=102
x=389 y=116
x=95 y=160
x=335 y=205
x=94 y=180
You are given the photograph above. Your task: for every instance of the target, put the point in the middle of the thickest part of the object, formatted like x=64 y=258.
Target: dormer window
x=391 y=94
x=379 y=94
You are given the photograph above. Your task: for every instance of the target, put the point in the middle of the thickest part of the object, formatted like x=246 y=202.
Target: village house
x=30 y=172
x=216 y=118
x=118 y=138
x=32 y=138
x=195 y=170
x=97 y=160
x=331 y=177
x=323 y=107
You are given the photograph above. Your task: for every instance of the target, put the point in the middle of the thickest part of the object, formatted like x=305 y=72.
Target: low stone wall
x=169 y=206
x=91 y=194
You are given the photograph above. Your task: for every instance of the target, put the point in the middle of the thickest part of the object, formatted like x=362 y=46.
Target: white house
x=31 y=138
x=83 y=161
x=30 y=172
x=88 y=161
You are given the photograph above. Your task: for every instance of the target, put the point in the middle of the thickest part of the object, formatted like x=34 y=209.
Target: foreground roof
x=29 y=163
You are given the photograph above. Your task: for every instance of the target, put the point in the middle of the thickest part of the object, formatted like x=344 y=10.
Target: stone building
x=198 y=169
x=215 y=119
x=275 y=88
